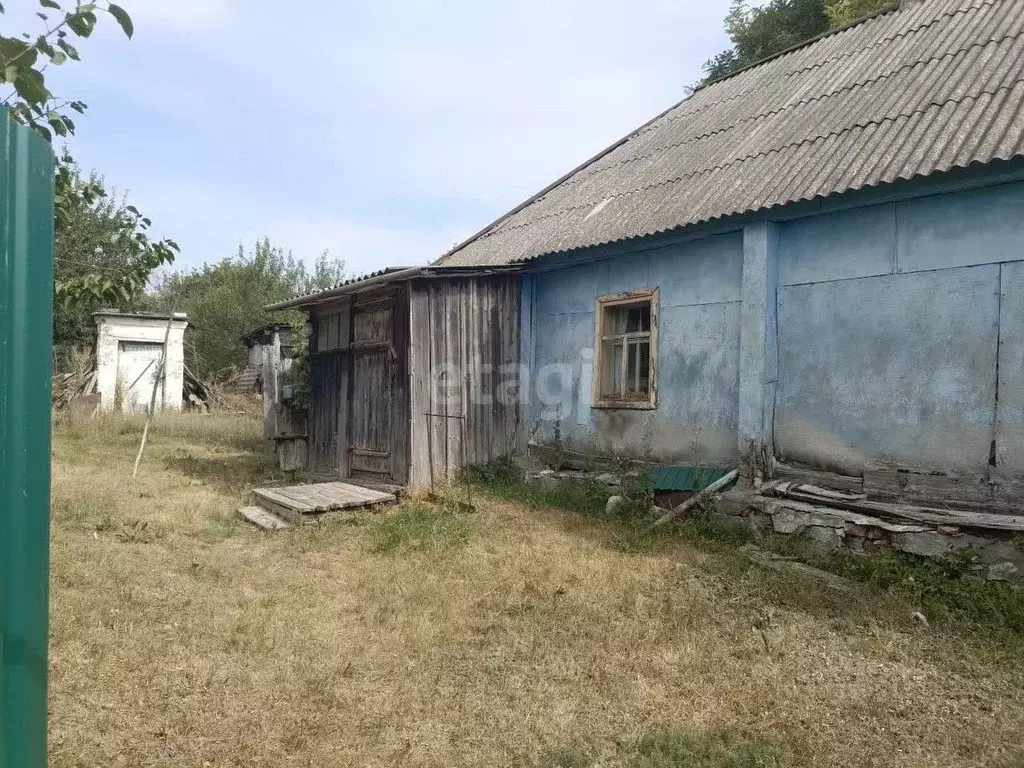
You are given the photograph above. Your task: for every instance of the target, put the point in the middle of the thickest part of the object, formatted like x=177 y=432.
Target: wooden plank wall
x=400 y=387
x=328 y=385
x=464 y=348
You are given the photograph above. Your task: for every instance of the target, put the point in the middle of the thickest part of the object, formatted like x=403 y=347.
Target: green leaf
x=31 y=88
x=81 y=21
x=12 y=48
x=69 y=49
x=122 y=17
x=57 y=124
x=58 y=58
x=10 y=74
x=50 y=4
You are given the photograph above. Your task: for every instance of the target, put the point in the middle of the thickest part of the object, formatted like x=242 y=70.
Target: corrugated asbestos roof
x=347 y=282
x=928 y=87
x=387 y=276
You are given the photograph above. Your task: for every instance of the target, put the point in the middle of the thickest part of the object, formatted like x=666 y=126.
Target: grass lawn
x=516 y=636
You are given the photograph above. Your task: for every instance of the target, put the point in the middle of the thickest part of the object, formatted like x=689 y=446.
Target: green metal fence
x=26 y=295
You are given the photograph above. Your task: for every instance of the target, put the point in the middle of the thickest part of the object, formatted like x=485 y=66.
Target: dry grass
x=511 y=637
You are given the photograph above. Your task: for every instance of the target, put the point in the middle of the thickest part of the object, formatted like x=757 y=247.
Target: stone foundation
x=999 y=554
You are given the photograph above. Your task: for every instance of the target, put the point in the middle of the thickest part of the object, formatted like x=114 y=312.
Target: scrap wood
x=960 y=518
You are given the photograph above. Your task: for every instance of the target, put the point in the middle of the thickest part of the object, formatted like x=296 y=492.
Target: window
x=332 y=331
x=625 y=365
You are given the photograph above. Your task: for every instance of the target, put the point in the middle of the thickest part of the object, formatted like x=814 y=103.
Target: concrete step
x=263 y=519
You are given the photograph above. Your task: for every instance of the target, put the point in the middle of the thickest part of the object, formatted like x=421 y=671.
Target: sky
x=384 y=131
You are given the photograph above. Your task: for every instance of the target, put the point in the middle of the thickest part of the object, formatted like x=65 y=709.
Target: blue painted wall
x=890 y=323
x=890 y=319
x=698 y=379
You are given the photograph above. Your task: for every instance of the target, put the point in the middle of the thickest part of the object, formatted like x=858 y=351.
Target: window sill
x=625 y=405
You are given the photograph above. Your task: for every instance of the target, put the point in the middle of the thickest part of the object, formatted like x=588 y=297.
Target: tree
x=842 y=12
x=224 y=301
x=95 y=241
x=758 y=33
x=23 y=64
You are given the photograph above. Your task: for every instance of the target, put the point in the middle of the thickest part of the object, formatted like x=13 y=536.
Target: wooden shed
x=413 y=373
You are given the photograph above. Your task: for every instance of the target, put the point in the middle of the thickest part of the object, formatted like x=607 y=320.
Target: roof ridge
x=802 y=103
x=769 y=152
x=819 y=64
x=632 y=134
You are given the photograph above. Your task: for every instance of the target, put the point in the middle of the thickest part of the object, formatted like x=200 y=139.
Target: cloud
x=380 y=130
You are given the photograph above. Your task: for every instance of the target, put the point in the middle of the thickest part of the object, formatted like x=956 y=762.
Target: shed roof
x=386 y=277
x=922 y=87
x=262 y=334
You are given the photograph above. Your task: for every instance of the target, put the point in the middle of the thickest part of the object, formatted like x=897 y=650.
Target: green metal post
x=26 y=298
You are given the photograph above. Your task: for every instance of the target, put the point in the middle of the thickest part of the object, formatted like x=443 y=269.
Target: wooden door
x=374 y=367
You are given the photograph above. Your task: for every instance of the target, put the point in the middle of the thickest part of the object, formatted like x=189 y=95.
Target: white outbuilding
x=129 y=351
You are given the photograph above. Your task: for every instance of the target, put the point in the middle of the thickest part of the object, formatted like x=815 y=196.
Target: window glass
x=321 y=334
x=332 y=331
x=624 y=364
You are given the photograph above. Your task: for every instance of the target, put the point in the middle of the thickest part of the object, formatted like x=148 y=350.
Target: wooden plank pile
x=831 y=512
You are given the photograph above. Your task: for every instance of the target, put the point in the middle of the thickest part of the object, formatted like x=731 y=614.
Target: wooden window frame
x=342 y=317
x=604 y=303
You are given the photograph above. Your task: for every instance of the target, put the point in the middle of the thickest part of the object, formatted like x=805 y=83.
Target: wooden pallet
x=308 y=503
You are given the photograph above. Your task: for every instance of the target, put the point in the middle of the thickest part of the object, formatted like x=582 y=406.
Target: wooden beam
x=959 y=518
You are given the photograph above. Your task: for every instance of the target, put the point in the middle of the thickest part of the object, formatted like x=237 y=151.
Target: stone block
x=615 y=505
x=828 y=539
x=1003 y=572
x=788 y=521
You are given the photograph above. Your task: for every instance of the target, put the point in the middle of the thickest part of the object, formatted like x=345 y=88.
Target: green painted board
x=26 y=297
x=684 y=478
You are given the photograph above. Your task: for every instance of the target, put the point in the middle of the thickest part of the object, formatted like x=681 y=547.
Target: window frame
x=604 y=303
x=342 y=322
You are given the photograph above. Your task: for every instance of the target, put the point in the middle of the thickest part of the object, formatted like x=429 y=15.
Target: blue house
x=818 y=260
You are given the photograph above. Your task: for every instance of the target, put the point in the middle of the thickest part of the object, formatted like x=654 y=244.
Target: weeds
x=505 y=480
x=946 y=590
x=667 y=749
x=419 y=528
x=220 y=527
x=631 y=518
x=663 y=748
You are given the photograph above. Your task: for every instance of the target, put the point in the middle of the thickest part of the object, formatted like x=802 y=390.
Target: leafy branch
x=24 y=59
x=23 y=64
